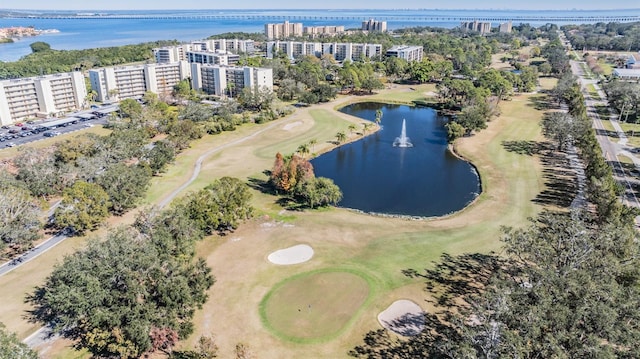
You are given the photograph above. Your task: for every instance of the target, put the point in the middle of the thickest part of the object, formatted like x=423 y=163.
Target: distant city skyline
x=326 y=4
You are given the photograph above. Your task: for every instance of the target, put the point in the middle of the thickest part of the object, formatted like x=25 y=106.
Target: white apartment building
x=40 y=96
x=322 y=30
x=169 y=54
x=211 y=57
x=122 y=82
x=339 y=51
x=228 y=80
x=409 y=53
x=284 y=30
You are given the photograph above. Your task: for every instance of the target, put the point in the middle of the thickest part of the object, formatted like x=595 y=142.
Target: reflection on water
x=423 y=180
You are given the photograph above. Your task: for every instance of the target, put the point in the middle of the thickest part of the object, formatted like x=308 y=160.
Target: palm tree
x=341 y=137
x=366 y=126
x=303 y=149
x=378 y=116
x=312 y=143
x=352 y=128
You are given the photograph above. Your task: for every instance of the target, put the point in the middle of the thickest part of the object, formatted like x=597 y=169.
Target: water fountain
x=403 y=140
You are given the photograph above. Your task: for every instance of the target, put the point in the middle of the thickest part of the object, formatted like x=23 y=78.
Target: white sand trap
x=403 y=317
x=290 y=126
x=292 y=255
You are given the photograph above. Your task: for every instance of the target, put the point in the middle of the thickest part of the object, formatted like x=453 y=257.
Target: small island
x=9 y=34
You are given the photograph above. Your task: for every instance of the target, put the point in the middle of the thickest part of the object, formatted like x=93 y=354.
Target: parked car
x=13 y=130
x=48 y=134
x=19 y=124
x=11 y=144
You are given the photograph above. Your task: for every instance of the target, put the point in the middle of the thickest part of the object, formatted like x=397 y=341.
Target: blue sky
x=321 y=4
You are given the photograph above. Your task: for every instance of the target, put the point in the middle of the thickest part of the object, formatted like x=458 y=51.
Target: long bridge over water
x=420 y=18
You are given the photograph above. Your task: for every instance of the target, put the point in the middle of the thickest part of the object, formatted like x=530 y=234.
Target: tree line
x=135 y=291
x=45 y=61
x=566 y=286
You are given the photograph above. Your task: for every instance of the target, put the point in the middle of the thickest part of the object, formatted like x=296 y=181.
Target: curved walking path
x=200 y=160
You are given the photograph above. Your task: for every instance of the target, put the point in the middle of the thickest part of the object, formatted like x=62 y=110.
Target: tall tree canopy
x=134 y=292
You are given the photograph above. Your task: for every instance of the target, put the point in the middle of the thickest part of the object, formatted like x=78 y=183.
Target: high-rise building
x=373 y=25
x=409 y=53
x=282 y=31
x=212 y=57
x=314 y=31
x=176 y=53
x=229 y=80
x=339 y=51
x=122 y=82
x=40 y=96
x=479 y=26
x=505 y=27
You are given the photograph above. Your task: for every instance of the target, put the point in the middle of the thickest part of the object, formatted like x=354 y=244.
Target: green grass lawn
x=366 y=253
x=314 y=306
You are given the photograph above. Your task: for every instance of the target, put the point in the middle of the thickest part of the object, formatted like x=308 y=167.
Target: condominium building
x=373 y=25
x=506 y=27
x=211 y=57
x=409 y=53
x=479 y=26
x=169 y=54
x=339 y=51
x=40 y=96
x=314 y=31
x=229 y=80
x=284 y=30
x=122 y=82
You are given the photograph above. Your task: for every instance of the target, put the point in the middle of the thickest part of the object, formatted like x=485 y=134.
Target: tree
x=39 y=46
x=366 y=126
x=378 y=116
x=454 y=131
x=19 y=218
x=341 y=137
x=319 y=192
x=12 y=348
x=220 y=206
x=118 y=295
x=125 y=185
x=83 y=207
x=303 y=150
x=182 y=90
x=563 y=288
x=161 y=154
x=130 y=108
x=352 y=128
x=564 y=129
x=313 y=142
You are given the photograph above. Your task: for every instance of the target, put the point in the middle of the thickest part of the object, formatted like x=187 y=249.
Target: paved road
x=33 y=253
x=198 y=164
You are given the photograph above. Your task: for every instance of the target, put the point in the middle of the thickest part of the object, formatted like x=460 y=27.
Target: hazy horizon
x=74 y=5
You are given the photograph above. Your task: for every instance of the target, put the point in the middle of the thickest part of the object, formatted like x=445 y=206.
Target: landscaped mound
x=292 y=255
x=313 y=306
x=403 y=317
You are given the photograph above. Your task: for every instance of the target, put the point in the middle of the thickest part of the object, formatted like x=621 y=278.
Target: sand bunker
x=292 y=255
x=403 y=317
x=290 y=126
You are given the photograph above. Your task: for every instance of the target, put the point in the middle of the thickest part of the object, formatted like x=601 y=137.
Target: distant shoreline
x=11 y=34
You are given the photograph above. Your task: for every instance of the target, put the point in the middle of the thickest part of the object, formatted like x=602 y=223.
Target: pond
x=375 y=176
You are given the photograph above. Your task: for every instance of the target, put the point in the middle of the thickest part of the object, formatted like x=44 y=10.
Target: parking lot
x=26 y=132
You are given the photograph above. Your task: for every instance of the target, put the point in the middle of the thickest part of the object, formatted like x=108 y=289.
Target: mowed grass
x=379 y=249
x=313 y=306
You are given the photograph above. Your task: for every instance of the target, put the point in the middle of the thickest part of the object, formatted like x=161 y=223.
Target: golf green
x=314 y=305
